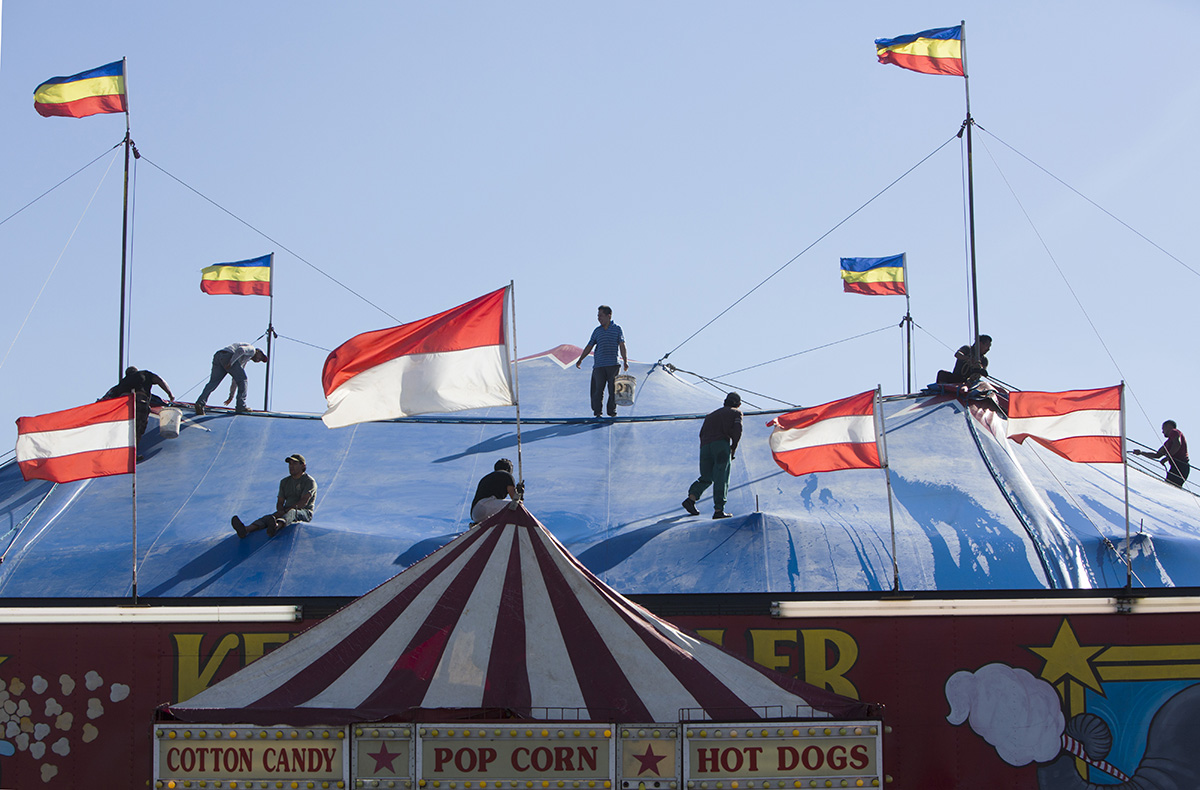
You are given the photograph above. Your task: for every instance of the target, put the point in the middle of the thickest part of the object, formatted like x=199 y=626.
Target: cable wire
x=1070 y=288
x=817 y=241
x=723 y=388
x=807 y=350
x=57 y=261
x=1112 y=216
x=281 y=245
x=301 y=342
x=60 y=183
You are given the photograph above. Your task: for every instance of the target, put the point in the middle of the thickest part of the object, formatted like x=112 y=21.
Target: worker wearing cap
x=297 y=492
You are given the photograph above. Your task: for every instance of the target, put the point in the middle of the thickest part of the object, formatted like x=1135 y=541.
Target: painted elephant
x=1171 y=761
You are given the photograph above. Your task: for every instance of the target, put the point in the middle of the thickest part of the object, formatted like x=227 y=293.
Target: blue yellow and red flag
x=245 y=278
x=86 y=93
x=937 y=51
x=874 y=276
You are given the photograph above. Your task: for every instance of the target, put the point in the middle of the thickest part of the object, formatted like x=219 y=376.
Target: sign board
x=842 y=754
x=525 y=756
x=567 y=755
x=244 y=754
x=383 y=756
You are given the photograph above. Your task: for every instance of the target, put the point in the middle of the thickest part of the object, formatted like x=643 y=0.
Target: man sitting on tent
x=493 y=489
x=969 y=366
x=297 y=492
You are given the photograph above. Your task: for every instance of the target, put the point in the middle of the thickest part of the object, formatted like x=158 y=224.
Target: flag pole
x=908 y=354
x=133 y=440
x=887 y=476
x=976 y=354
x=124 y=229
x=270 y=330
x=512 y=306
x=1125 y=468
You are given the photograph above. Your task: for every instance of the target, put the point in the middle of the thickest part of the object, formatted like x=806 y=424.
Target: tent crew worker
x=1174 y=450
x=493 y=489
x=966 y=370
x=231 y=360
x=297 y=492
x=719 y=435
x=607 y=339
x=139 y=382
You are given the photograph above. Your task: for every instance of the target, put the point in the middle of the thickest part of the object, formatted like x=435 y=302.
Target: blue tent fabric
x=973 y=511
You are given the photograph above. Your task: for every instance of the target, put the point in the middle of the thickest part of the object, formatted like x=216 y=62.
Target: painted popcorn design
x=47 y=719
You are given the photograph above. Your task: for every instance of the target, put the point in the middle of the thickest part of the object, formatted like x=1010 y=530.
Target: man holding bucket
x=607 y=339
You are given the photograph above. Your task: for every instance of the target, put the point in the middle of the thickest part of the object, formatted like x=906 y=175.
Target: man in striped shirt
x=607 y=339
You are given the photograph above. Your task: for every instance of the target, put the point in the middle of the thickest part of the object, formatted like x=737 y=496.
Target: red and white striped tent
x=504 y=622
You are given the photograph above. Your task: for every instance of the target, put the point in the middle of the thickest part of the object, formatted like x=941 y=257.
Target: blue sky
x=663 y=158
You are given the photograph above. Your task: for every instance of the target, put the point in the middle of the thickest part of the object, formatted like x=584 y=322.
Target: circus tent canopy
x=504 y=620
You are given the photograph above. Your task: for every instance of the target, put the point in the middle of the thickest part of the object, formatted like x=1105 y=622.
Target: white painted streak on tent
x=554 y=683
x=654 y=683
x=461 y=674
x=359 y=680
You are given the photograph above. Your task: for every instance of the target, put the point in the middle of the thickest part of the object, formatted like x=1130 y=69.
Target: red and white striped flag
x=826 y=438
x=448 y=362
x=1081 y=425
x=96 y=440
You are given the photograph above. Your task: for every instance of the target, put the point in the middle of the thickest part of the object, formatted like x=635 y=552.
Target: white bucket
x=624 y=389
x=169 y=420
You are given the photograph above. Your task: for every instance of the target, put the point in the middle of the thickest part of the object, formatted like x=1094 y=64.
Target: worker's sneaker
x=199 y=409
x=721 y=514
x=273 y=530
x=690 y=506
x=241 y=410
x=238 y=526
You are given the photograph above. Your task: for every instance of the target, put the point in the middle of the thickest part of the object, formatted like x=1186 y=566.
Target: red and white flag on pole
x=1081 y=425
x=448 y=362
x=96 y=440
x=837 y=435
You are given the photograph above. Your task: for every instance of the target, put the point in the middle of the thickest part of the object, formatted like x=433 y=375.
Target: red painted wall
x=77 y=701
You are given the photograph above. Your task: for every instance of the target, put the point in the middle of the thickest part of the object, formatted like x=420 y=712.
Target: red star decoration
x=383 y=758
x=649 y=760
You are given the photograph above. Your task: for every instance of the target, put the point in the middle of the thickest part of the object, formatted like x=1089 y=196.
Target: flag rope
x=282 y=246
x=60 y=183
x=814 y=243
x=57 y=261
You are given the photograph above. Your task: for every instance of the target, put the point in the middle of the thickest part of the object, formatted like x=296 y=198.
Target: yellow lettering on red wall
x=806 y=654
x=775 y=648
x=257 y=644
x=193 y=673
x=818 y=643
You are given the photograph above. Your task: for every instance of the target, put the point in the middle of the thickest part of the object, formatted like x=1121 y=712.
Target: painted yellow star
x=1067 y=658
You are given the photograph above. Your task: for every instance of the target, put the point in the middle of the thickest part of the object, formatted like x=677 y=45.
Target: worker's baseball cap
x=296 y=457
